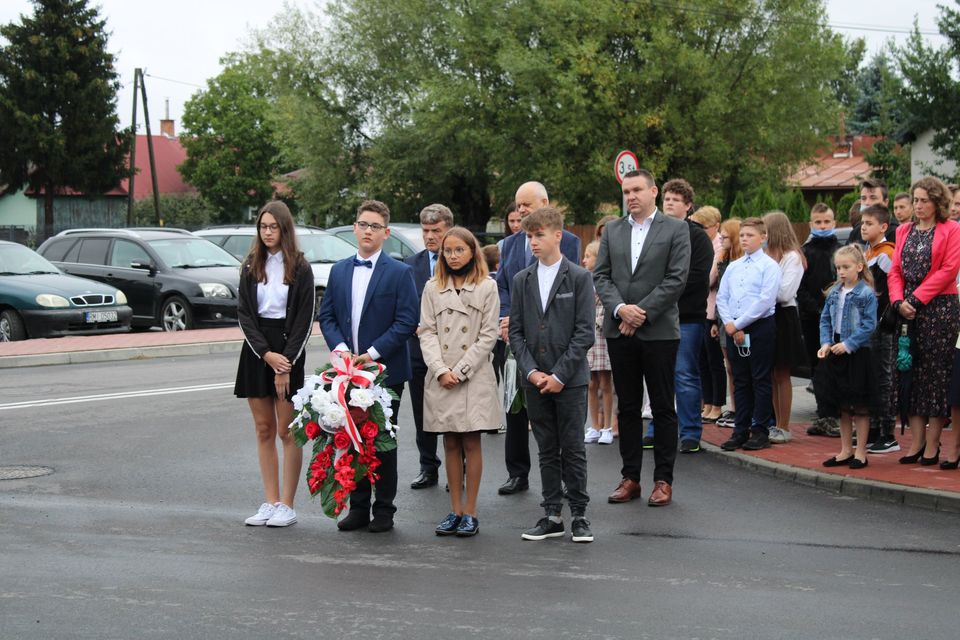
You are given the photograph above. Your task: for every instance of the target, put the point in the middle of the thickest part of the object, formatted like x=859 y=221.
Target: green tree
x=185 y=211
x=58 y=119
x=229 y=138
x=931 y=90
x=460 y=102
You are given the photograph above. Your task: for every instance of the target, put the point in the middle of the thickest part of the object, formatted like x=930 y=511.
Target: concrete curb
x=844 y=485
x=130 y=353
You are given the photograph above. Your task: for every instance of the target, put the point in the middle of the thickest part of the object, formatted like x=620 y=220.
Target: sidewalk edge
x=933 y=499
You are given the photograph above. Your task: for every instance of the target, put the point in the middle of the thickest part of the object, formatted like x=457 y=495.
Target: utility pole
x=133 y=150
x=153 y=164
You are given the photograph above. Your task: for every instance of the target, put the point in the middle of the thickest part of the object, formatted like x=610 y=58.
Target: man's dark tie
x=362 y=263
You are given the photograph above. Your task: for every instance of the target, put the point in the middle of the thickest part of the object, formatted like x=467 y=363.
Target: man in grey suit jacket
x=552 y=315
x=640 y=273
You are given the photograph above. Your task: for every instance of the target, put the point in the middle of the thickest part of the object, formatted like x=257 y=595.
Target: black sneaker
x=689 y=446
x=759 y=440
x=817 y=428
x=647 y=442
x=580 y=528
x=884 y=444
x=735 y=442
x=546 y=528
x=726 y=419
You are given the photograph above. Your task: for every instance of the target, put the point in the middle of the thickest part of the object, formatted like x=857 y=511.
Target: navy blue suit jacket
x=512 y=262
x=420 y=263
x=389 y=317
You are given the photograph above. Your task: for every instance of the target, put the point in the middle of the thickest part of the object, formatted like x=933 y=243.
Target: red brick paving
x=809 y=452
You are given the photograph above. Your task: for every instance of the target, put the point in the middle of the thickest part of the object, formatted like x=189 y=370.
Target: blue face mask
x=822 y=233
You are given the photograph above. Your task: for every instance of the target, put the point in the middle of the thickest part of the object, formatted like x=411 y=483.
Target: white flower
x=320 y=399
x=333 y=415
x=297 y=402
x=362 y=398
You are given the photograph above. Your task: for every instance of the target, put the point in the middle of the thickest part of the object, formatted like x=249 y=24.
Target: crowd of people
x=672 y=315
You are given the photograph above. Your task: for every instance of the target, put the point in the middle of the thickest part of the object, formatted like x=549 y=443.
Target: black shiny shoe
x=929 y=462
x=857 y=463
x=913 y=458
x=834 y=462
x=449 y=525
x=469 y=526
x=946 y=465
x=424 y=480
x=513 y=485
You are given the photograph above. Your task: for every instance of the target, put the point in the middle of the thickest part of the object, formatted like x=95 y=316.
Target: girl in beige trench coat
x=459 y=317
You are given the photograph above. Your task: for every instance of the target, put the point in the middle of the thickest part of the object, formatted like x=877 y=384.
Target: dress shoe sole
x=510 y=492
x=468 y=534
x=423 y=485
x=613 y=500
x=651 y=503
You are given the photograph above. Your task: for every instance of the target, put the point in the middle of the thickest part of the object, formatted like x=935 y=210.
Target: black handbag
x=889 y=319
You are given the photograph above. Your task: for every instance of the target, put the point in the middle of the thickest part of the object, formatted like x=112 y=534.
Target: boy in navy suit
x=370 y=309
x=552 y=316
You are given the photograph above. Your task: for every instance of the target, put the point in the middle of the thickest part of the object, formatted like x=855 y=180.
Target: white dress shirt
x=748 y=289
x=638 y=235
x=272 y=294
x=361 y=280
x=791 y=273
x=546 y=276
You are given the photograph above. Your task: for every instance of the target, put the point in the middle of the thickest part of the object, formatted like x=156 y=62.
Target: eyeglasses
x=459 y=251
x=269 y=227
x=722 y=237
x=373 y=226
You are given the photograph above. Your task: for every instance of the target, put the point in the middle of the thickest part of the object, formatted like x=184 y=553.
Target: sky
x=179 y=43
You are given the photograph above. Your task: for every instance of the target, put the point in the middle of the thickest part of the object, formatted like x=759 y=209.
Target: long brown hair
x=256 y=260
x=476 y=275
x=781 y=238
x=731 y=228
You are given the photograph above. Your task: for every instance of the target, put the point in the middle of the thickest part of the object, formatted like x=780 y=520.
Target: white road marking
x=120 y=395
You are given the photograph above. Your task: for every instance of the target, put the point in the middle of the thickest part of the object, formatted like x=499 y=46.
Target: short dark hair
x=878 y=212
x=641 y=173
x=820 y=207
x=376 y=207
x=953 y=188
x=680 y=187
x=903 y=195
x=548 y=218
x=491 y=253
x=873 y=183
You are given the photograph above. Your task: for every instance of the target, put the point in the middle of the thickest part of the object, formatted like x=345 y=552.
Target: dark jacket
x=301 y=300
x=890 y=235
x=692 y=304
x=819 y=275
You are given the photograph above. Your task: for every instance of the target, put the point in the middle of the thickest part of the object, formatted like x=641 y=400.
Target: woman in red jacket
x=923 y=288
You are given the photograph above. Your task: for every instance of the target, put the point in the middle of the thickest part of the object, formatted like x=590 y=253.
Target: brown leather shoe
x=662 y=494
x=626 y=491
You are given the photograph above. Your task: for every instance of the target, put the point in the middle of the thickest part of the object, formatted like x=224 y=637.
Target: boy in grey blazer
x=552 y=315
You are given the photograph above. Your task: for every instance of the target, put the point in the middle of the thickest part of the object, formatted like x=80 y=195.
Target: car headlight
x=52 y=300
x=215 y=290
x=120 y=297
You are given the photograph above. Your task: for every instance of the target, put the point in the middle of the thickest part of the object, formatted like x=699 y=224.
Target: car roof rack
x=167 y=229
x=69 y=232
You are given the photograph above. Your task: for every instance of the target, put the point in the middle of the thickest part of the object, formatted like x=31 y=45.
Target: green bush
x=184 y=211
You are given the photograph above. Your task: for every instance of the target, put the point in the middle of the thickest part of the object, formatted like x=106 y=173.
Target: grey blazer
x=654 y=286
x=555 y=341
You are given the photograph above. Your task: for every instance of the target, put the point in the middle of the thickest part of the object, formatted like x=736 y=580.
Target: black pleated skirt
x=847 y=382
x=255 y=378
x=789 y=350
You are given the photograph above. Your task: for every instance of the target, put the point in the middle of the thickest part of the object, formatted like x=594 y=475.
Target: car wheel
x=11 y=326
x=176 y=315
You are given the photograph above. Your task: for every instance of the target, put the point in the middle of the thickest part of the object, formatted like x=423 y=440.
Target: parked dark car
x=172 y=278
x=321 y=249
x=38 y=301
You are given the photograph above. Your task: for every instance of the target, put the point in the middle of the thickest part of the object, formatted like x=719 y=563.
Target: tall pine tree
x=58 y=117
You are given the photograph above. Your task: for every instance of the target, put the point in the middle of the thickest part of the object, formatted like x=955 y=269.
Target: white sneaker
x=606 y=436
x=262 y=515
x=592 y=436
x=779 y=436
x=647 y=414
x=284 y=516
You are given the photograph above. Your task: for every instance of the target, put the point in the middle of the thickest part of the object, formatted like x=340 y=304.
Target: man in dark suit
x=514 y=258
x=370 y=309
x=435 y=219
x=640 y=274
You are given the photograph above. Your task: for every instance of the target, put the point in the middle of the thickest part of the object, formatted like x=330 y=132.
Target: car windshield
x=17 y=260
x=192 y=253
x=322 y=247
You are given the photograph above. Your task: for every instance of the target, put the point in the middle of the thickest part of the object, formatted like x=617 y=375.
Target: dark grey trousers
x=558 y=420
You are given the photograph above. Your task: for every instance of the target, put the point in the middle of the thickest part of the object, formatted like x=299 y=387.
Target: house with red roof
x=836 y=170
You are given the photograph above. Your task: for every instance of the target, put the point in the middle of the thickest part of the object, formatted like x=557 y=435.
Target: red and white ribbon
x=341 y=376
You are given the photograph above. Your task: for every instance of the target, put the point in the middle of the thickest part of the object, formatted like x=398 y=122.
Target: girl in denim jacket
x=846 y=385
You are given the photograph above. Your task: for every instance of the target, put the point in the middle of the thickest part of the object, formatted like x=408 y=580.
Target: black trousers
x=752 y=381
x=516 y=447
x=386 y=487
x=633 y=361
x=557 y=420
x=426 y=441
x=713 y=373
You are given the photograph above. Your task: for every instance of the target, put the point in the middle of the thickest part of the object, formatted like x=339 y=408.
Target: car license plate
x=100 y=316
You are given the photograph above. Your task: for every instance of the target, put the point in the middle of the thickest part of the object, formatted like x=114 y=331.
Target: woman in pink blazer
x=923 y=288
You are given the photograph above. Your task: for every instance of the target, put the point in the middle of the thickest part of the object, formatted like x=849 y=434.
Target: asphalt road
x=139 y=534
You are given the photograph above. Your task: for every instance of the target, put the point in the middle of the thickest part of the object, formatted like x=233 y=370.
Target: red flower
x=341 y=440
x=359 y=415
x=369 y=430
x=312 y=429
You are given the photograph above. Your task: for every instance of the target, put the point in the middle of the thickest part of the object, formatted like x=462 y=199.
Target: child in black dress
x=846 y=382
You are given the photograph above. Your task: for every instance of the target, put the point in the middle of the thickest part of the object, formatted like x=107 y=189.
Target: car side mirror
x=146 y=266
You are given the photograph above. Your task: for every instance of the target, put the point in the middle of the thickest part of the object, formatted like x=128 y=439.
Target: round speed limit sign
x=625 y=163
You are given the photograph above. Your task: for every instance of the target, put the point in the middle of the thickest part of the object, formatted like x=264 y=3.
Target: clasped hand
x=835 y=349
x=278 y=362
x=546 y=383
x=907 y=310
x=632 y=318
